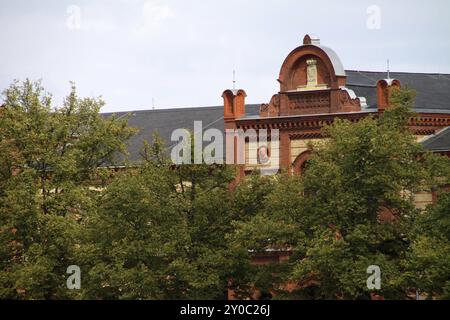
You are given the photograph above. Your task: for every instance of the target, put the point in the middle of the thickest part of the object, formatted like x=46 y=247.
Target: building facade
x=315 y=90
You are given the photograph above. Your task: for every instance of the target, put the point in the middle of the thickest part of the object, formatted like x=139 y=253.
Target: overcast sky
x=183 y=52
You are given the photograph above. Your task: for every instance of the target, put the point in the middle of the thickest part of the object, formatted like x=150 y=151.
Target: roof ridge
x=405 y=72
x=176 y=109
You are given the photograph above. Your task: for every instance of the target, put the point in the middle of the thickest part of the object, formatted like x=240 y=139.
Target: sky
x=140 y=54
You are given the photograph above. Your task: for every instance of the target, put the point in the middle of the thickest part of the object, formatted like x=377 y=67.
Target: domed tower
x=312 y=81
x=312 y=93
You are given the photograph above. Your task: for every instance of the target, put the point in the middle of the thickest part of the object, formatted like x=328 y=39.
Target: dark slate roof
x=433 y=97
x=433 y=90
x=438 y=142
x=167 y=120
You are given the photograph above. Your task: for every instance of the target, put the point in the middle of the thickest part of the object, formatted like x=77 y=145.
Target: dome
x=335 y=61
x=334 y=58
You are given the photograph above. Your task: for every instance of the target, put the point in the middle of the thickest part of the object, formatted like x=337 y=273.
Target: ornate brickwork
x=312 y=100
x=312 y=95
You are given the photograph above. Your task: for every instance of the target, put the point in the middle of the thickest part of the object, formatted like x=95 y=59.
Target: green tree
x=352 y=208
x=50 y=160
x=427 y=261
x=164 y=232
x=160 y=231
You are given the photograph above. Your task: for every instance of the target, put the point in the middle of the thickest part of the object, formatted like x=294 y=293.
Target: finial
x=234 y=79
x=388 y=71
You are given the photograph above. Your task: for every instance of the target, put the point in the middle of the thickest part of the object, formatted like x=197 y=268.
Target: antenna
x=234 y=79
x=388 y=71
x=153 y=103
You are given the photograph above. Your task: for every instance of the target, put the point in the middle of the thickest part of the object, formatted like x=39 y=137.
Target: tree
x=427 y=265
x=50 y=160
x=160 y=231
x=352 y=208
x=165 y=232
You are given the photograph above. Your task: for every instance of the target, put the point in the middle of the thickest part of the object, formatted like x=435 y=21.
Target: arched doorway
x=301 y=162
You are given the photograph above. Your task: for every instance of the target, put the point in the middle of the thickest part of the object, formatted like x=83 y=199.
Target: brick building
x=314 y=90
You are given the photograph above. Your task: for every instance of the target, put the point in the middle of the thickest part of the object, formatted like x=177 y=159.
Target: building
x=314 y=90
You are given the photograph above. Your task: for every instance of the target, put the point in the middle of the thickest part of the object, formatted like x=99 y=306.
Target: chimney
x=234 y=104
x=384 y=92
x=311 y=39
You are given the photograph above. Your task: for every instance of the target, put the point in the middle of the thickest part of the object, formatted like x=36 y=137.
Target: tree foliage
x=50 y=160
x=351 y=209
x=159 y=231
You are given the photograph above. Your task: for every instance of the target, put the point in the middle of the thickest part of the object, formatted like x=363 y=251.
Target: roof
x=433 y=89
x=433 y=97
x=438 y=142
x=335 y=61
x=167 y=120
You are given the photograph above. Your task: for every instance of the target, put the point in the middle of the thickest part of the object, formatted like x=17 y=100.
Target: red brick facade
x=312 y=94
